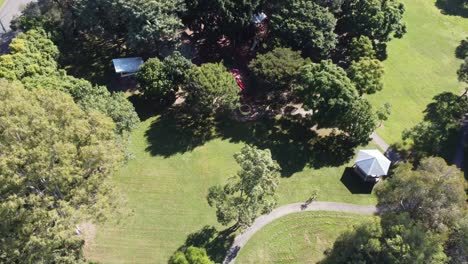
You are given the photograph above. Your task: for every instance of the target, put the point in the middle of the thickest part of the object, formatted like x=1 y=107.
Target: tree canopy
x=441 y=123
x=398 y=239
x=251 y=192
x=55 y=165
x=228 y=17
x=304 y=25
x=126 y=22
x=376 y=19
x=32 y=61
x=432 y=194
x=367 y=75
x=278 y=68
x=162 y=78
x=212 y=87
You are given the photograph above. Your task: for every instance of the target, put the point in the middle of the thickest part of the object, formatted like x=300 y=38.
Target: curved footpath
x=263 y=220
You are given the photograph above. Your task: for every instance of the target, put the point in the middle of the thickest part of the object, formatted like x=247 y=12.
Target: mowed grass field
x=168 y=198
x=298 y=238
x=420 y=65
x=167 y=192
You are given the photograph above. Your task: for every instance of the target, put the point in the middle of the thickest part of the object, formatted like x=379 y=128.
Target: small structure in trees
x=371 y=165
x=127 y=66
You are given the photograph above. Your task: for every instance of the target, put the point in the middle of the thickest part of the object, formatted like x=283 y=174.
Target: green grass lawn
x=298 y=238
x=167 y=196
x=420 y=65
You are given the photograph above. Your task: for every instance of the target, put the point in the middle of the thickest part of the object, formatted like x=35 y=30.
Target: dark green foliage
x=303 y=25
x=330 y=94
x=191 y=255
x=462 y=50
x=277 y=68
x=251 y=192
x=327 y=91
x=376 y=19
x=229 y=17
x=457 y=244
x=162 y=78
x=358 y=122
x=55 y=166
x=177 y=69
x=440 y=125
x=212 y=87
x=367 y=75
x=432 y=195
x=126 y=22
x=33 y=62
x=360 y=47
x=153 y=79
x=398 y=239
x=463 y=71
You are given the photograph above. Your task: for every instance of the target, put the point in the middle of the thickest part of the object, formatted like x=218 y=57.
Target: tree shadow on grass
x=178 y=131
x=147 y=108
x=453 y=7
x=291 y=141
x=215 y=242
x=354 y=183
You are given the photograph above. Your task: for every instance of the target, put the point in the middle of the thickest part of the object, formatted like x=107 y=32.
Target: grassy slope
x=298 y=238
x=420 y=65
x=167 y=196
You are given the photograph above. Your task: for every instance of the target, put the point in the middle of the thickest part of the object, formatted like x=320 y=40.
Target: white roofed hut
x=371 y=165
x=127 y=66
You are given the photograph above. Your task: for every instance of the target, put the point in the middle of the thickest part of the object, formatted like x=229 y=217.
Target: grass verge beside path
x=420 y=65
x=298 y=238
x=168 y=197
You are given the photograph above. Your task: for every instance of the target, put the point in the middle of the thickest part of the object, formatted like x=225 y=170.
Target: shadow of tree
x=147 y=108
x=354 y=183
x=215 y=242
x=178 y=131
x=453 y=7
x=291 y=141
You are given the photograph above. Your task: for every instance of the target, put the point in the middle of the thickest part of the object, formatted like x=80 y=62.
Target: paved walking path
x=380 y=142
x=10 y=9
x=263 y=220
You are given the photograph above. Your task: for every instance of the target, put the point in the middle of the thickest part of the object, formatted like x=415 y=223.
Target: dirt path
x=263 y=220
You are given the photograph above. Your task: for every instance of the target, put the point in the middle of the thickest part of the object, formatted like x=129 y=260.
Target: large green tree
x=212 y=87
x=397 y=239
x=303 y=25
x=432 y=194
x=228 y=17
x=31 y=54
x=162 y=78
x=55 y=162
x=251 y=192
x=377 y=19
x=141 y=25
x=277 y=69
x=367 y=75
x=327 y=91
x=441 y=124
x=32 y=61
